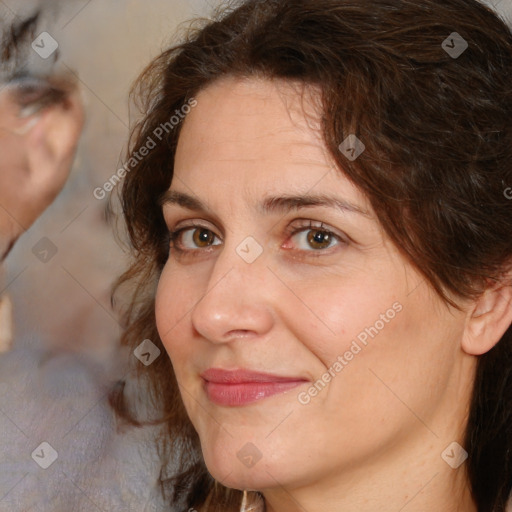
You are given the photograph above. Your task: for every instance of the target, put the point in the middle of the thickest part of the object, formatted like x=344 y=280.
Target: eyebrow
x=273 y=204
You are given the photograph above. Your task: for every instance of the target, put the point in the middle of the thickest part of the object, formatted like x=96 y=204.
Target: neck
x=421 y=483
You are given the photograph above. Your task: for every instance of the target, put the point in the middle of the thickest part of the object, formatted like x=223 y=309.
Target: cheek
x=329 y=314
x=396 y=363
x=13 y=160
x=175 y=298
x=170 y=307
x=373 y=331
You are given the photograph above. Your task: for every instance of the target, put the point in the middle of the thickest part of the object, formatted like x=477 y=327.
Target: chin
x=247 y=479
x=240 y=468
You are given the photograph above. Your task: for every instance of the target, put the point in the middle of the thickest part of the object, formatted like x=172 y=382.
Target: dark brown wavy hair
x=438 y=160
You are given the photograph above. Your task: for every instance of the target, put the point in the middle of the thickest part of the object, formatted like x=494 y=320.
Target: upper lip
x=243 y=376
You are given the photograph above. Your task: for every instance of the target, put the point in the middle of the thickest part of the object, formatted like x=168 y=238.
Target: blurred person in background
x=60 y=451
x=41 y=117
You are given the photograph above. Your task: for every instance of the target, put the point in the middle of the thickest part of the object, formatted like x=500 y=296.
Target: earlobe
x=488 y=319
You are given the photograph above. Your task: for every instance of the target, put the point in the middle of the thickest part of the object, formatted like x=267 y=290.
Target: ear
x=37 y=154
x=51 y=147
x=488 y=319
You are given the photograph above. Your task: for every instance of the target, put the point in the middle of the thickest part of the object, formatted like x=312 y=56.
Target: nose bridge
x=236 y=299
x=240 y=262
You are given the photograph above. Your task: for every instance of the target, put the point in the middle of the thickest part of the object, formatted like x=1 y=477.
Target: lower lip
x=233 y=395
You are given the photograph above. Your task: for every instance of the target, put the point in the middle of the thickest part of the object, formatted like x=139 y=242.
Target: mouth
x=234 y=388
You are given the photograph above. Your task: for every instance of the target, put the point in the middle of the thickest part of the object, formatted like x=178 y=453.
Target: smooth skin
x=373 y=438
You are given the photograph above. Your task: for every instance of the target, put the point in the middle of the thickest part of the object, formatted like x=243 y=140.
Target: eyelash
x=290 y=232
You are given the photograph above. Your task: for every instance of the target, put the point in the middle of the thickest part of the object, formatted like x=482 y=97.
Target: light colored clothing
x=61 y=399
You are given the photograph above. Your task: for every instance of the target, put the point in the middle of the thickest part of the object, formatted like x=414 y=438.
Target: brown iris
x=319 y=239
x=203 y=237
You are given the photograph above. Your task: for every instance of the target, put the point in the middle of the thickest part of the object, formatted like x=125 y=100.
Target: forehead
x=252 y=137
x=251 y=121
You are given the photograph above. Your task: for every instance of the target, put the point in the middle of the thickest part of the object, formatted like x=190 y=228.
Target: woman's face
x=305 y=345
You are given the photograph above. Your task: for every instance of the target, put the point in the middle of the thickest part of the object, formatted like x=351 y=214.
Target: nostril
x=240 y=333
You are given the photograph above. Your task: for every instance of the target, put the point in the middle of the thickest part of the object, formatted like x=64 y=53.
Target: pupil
x=319 y=238
x=203 y=237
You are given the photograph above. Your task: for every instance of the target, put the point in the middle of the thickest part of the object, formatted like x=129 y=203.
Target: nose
x=237 y=303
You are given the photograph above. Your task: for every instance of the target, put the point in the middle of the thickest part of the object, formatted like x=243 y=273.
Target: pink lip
x=239 y=387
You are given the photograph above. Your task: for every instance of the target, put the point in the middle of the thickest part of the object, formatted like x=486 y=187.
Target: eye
x=312 y=238
x=192 y=238
x=33 y=94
